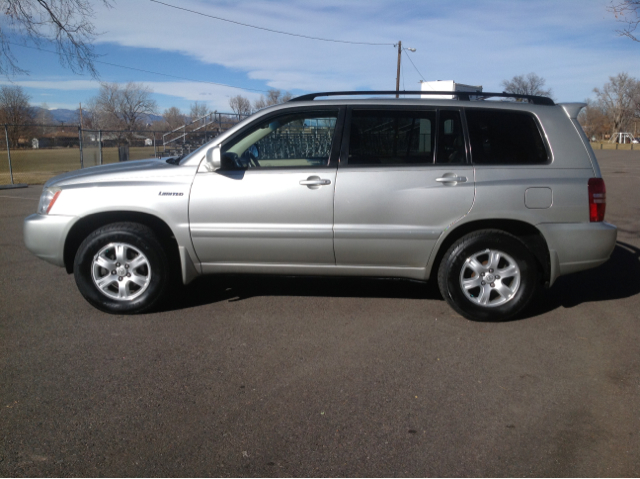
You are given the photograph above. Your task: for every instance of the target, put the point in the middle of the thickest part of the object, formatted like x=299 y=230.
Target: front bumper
x=578 y=246
x=45 y=235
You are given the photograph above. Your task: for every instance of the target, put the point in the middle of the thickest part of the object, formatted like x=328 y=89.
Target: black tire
x=472 y=259
x=127 y=288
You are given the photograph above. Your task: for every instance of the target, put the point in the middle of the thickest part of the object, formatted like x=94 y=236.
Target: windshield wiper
x=176 y=160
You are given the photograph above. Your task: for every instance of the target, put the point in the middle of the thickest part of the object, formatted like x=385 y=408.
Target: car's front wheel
x=488 y=275
x=121 y=268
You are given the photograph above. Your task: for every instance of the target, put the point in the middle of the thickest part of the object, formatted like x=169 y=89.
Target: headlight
x=47 y=199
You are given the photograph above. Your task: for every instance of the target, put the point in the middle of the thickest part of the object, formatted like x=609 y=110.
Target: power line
x=147 y=71
x=269 y=29
x=414 y=66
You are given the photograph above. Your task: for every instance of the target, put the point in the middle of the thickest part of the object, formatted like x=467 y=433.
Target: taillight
x=597 y=199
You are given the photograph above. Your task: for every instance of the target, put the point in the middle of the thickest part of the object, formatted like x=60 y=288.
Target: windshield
x=194 y=153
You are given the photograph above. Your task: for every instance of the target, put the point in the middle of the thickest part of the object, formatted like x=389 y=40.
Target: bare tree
x=121 y=107
x=530 y=84
x=626 y=12
x=93 y=118
x=136 y=104
x=274 y=97
x=159 y=126
x=15 y=112
x=240 y=105
x=105 y=107
x=66 y=23
x=618 y=98
x=594 y=120
x=174 y=118
x=198 y=110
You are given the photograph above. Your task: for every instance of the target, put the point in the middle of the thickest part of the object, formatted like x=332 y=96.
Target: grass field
x=34 y=167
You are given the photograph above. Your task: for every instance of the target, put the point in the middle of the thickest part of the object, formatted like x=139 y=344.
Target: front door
x=405 y=181
x=272 y=202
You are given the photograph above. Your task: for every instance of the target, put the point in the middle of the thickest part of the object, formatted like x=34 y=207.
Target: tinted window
x=504 y=138
x=450 y=138
x=291 y=140
x=391 y=137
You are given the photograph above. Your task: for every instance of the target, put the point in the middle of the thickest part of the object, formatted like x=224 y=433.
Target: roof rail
x=462 y=95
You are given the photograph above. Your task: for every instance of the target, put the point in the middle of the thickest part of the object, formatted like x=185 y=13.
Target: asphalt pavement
x=263 y=376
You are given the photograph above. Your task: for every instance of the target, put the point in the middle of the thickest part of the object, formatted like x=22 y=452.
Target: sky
x=572 y=44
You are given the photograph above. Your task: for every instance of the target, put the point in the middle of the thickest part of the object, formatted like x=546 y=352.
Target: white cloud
x=216 y=97
x=571 y=44
x=56 y=84
x=473 y=42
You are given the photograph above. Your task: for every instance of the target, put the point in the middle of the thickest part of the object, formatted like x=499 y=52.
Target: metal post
x=80 y=139
x=100 y=144
x=155 y=152
x=6 y=135
x=398 y=74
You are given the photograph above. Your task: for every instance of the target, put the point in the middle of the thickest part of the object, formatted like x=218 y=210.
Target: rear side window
x=391 y=137
x=450 y=147
x=505 y=138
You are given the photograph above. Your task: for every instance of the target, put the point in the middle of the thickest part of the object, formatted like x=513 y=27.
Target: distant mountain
x=60 y=115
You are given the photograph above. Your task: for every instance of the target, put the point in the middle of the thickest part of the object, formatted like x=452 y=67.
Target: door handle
x=452 y=179
x=315 y=181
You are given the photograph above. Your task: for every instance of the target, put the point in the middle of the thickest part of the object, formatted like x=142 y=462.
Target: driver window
x=292 y=140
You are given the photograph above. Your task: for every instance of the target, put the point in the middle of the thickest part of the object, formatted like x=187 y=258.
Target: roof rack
x=462 y=95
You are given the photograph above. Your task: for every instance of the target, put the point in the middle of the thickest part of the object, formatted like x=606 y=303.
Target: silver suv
x=494 y=198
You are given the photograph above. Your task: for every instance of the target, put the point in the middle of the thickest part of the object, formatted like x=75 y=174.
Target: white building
x=446 y=85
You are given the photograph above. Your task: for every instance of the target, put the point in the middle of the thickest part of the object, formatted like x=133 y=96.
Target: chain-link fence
x=100 y=147
x=32 y=154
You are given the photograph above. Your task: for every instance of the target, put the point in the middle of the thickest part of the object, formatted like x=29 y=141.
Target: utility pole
x=81 y=116
x=398 y=74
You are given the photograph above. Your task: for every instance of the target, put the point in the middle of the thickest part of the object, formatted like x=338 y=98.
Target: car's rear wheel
x=488 y=275
x=121 y=268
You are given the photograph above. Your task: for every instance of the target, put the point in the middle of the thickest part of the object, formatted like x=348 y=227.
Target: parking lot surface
x=263 y=376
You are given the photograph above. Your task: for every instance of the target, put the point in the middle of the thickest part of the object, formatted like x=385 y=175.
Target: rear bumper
x=45 y=235
x=578 y=246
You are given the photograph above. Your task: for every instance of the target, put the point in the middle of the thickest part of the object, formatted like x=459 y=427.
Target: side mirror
x=213 y=159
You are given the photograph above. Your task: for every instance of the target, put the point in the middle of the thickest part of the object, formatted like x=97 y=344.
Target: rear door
x=403 y=178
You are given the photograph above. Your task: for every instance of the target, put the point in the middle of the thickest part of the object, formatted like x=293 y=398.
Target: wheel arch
x=86 y=225
x=526 y=232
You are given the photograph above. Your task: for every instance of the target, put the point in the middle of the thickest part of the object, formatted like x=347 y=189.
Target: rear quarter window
x=500 y=137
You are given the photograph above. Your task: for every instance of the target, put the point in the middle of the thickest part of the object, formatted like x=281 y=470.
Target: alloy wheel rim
x=120 y=271
x=490 y=278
